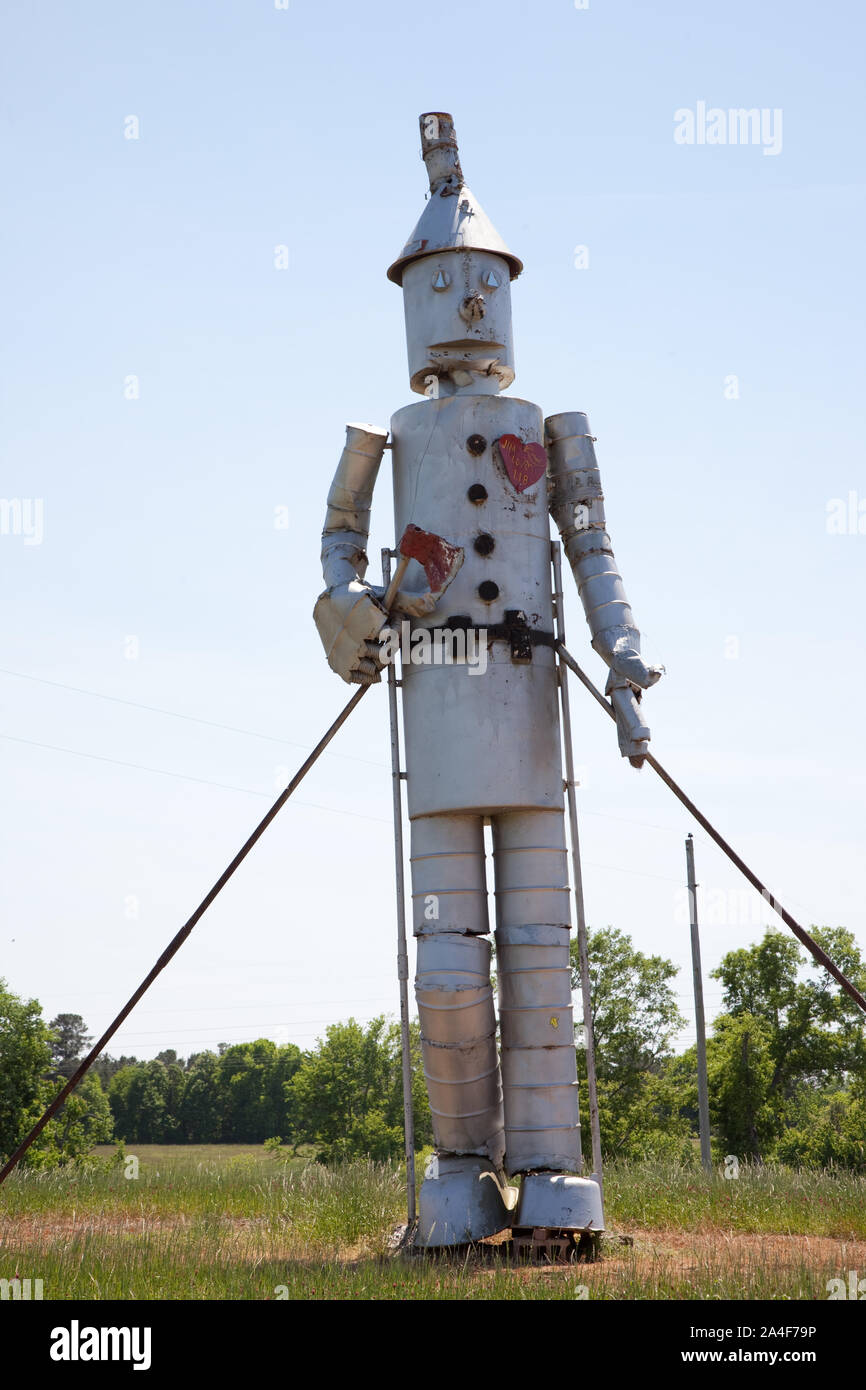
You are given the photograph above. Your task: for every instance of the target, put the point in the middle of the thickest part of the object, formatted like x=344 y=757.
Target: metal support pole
x=177 y=941
x=586 y=995
x=700 y=1025
x=402 y=956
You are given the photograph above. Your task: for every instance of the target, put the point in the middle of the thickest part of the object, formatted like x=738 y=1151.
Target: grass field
x=235 y=1222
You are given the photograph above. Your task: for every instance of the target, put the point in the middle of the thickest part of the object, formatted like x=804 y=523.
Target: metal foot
x=559 y=1202
x=464 y=1203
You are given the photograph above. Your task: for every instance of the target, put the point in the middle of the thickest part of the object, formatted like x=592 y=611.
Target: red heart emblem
x=524 y=463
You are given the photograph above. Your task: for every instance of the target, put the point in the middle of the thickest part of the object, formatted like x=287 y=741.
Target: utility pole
x=703 y=1096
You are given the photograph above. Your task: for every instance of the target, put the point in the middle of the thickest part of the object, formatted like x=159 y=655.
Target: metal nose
x=472 y=309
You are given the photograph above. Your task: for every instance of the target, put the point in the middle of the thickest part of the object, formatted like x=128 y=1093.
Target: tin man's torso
x=479 y=742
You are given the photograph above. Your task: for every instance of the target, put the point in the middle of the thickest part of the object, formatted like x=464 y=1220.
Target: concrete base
x=559 y=1201
x=465 y=1202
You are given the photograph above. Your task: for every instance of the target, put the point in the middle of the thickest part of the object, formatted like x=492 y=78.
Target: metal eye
x=441 y=281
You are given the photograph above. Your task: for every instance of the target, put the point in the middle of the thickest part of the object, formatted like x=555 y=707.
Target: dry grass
x=250 y=1226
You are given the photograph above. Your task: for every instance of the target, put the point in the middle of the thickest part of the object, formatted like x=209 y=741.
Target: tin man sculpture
x=482 y=740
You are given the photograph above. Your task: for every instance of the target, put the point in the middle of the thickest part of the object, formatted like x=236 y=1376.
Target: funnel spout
x=439 y=150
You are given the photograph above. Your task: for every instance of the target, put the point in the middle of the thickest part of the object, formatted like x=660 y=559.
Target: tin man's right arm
x=348 y=615
x=577 y=507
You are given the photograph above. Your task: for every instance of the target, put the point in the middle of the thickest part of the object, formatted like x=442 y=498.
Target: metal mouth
x=465 y=345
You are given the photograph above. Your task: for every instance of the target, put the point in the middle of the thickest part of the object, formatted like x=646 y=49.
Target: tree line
x=786 y=1059
x=786 y=1065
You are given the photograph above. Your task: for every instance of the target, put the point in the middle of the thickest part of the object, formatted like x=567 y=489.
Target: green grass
x=234 y=1222
x=768 y=1199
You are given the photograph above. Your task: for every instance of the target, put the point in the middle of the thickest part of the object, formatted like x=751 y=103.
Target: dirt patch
x=38 y=1228
x=688 y=1250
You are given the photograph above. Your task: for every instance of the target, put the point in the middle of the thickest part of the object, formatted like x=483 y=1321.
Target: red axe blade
x=440 y=560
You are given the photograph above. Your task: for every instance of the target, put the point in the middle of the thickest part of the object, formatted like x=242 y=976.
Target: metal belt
x=515 y=630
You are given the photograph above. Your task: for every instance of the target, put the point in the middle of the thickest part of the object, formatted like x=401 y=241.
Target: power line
x=184 y=777
x=272 y=738
x=249 y=791
x=174 y=714
x=232 y=1028
x=213 y=1008
x=286 y=1023
x=620 y=869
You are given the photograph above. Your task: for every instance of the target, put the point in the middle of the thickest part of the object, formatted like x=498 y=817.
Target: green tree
x=83 y=1120
x=119 y=1090
x=106 y=1066
x=71 y=1042
x=348 y=1092
x=785 y=1047
x=830 y=1132
x=816 y=1031
x=739 y=1077
x=25 y=1063
x=252 y=1078
x=146 y=1101
x=635 y=1017
x=28 y=1083
x=202 y=1103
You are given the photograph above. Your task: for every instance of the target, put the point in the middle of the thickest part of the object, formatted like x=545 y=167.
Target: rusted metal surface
x=546 y=1245
x=471 y=465
x=439 y=559
x=452 y=219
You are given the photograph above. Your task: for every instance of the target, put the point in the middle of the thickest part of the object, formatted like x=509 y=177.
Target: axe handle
x=393 y=587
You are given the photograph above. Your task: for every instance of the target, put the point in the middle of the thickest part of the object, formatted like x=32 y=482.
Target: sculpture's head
x=455 y=272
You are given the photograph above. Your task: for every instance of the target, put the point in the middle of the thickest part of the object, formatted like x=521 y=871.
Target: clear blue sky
x=154 y=257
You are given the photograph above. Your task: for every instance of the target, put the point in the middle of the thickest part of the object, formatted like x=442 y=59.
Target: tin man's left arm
x=577 y=506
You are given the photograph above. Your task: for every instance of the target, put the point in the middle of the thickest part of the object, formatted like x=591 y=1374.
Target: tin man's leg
x=462 y=1199
x=539 y=1064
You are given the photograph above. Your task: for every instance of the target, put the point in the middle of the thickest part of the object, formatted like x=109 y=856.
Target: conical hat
x=453 y=219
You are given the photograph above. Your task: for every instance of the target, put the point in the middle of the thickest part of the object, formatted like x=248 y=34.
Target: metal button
x=477 y=493
x=488 y=591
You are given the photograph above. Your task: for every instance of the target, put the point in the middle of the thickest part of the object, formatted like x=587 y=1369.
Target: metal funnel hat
x=453 y=219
